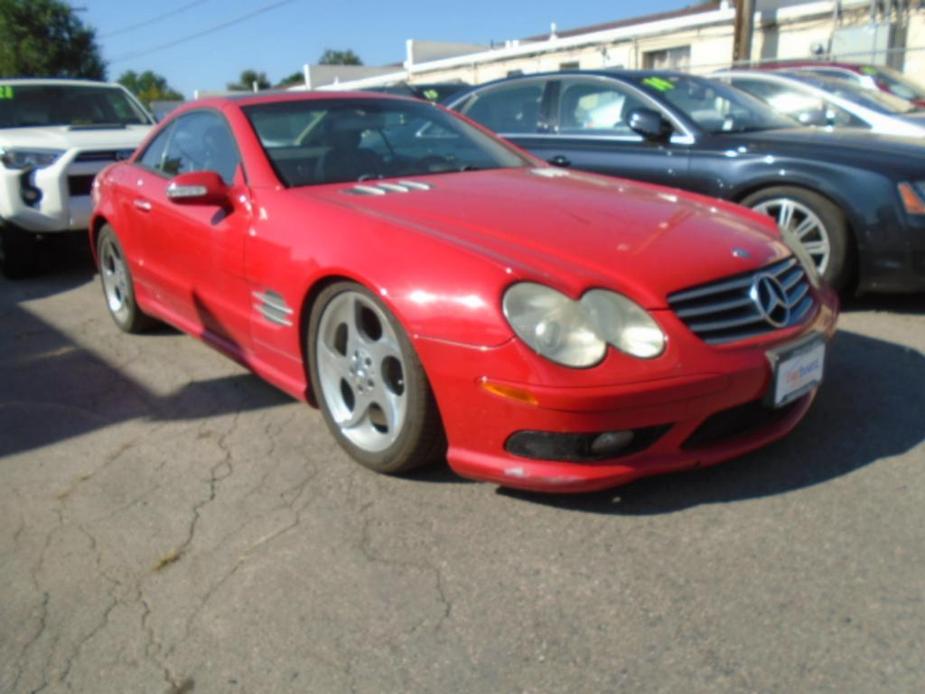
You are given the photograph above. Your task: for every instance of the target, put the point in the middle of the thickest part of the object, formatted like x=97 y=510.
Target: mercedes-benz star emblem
x=770 y=298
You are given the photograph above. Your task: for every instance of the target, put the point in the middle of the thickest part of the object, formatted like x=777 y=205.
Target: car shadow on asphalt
x=903 y=304
x=54 y=389
x=869 y=408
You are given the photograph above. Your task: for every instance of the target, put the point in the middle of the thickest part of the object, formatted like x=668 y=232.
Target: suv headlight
x=29 y=158
x=576 y=333
x=803 y=256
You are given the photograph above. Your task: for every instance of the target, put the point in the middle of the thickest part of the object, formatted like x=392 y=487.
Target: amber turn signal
x=510 y=392
x=912 y=201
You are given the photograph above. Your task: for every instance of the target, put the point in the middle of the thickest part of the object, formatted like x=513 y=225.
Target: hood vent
x=385 y=188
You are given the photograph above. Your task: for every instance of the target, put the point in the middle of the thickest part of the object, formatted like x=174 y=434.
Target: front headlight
x=29 y=158
x=803 y=256
x=576 y=333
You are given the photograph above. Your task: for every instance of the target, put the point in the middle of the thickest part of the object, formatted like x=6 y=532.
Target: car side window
x=806 y=108
x=201 y=141
x=510 y=109
x=595 y=106
x=153 y=156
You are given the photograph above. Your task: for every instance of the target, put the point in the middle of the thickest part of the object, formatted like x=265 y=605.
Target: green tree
x=334 y=57
x=149 y=86
x=290 y=80
x=45 y=38
x=246 y=81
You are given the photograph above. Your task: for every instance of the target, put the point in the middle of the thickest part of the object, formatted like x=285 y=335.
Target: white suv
x=55 y=136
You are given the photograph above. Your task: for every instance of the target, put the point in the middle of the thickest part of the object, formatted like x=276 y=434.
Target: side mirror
x=198 y=188
x=650 y=124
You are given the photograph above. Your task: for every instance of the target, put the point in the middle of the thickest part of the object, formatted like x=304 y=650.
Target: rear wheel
x=17 y=252
x=369 y=383
x=118 y=287
x=816 y=223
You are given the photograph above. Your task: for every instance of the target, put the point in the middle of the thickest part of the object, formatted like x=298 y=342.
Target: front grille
x=80 y=185
x=731 y=309
x=734 y=422
x=104 y=155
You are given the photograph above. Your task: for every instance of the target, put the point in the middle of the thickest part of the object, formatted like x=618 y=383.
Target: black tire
x=420 y=438
x=128 y=317
x=18 y=252
x=840 y=270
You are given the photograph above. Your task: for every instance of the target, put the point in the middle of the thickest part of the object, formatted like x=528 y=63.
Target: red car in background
x=437 y=292
x=879 y=77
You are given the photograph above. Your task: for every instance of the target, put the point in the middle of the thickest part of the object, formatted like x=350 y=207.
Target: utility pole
x=742 y=44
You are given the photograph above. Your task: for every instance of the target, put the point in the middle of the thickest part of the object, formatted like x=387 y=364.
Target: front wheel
x=118 y=287
x=369 y=383
x=816 y=223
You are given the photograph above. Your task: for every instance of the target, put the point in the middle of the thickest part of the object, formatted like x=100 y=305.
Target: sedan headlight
x=803 y=256
x=576 y=333
x=29 y=158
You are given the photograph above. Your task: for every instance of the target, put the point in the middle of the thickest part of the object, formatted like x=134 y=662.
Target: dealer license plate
x=796 y=371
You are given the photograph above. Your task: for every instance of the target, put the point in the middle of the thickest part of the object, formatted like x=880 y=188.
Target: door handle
x=142 y=204
x=560 y=160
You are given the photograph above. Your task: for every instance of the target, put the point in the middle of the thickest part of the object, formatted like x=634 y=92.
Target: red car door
x=194 y=254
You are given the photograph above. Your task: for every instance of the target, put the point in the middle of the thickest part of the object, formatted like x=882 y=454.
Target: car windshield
x=317 y=141
x=38 y=105
x=715 y=107
x=881 y=102
x=895 y=82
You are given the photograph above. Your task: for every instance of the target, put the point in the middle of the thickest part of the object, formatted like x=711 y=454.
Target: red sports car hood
x=575 y=230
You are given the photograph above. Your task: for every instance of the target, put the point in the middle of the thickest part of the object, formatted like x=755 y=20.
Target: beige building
x=698 y=38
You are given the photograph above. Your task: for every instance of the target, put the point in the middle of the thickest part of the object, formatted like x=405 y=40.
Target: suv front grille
x=753 y=303
x=80 y=185
x=104 y=155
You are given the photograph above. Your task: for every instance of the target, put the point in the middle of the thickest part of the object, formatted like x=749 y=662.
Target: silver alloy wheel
x=115 y=280
x=805 y=225
x=361 y=371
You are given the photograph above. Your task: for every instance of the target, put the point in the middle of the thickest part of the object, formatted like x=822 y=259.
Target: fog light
x=582 y=448
x=610 y=443
x=27 y=190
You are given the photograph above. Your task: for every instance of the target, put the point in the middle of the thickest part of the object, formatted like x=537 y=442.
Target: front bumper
x=59 y=209
x=892 y=258
x=700 y=383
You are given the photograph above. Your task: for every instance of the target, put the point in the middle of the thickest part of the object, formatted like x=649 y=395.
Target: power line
x=198 y=34
x=153 y=20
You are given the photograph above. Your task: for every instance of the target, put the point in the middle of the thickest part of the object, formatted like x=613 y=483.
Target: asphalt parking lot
x=170 y=523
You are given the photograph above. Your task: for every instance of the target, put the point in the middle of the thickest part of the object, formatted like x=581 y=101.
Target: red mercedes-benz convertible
x=437 y=292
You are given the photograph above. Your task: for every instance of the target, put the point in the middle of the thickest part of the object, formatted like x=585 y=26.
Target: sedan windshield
x=38 y=105
x=715 y=107
x=895 y=82
x=881 y=102
x=311 y=142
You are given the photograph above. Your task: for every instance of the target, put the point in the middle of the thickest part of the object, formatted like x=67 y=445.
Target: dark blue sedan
x=856 y=201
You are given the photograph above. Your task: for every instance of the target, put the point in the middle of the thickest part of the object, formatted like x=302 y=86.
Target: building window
x=570 y=65
x=678 y=58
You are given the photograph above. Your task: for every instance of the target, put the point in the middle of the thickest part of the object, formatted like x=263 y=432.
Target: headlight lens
x=576 y=333
x=29 y=158
x=802 y=255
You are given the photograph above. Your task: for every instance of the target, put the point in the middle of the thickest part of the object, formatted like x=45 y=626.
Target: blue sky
x=281 y=40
